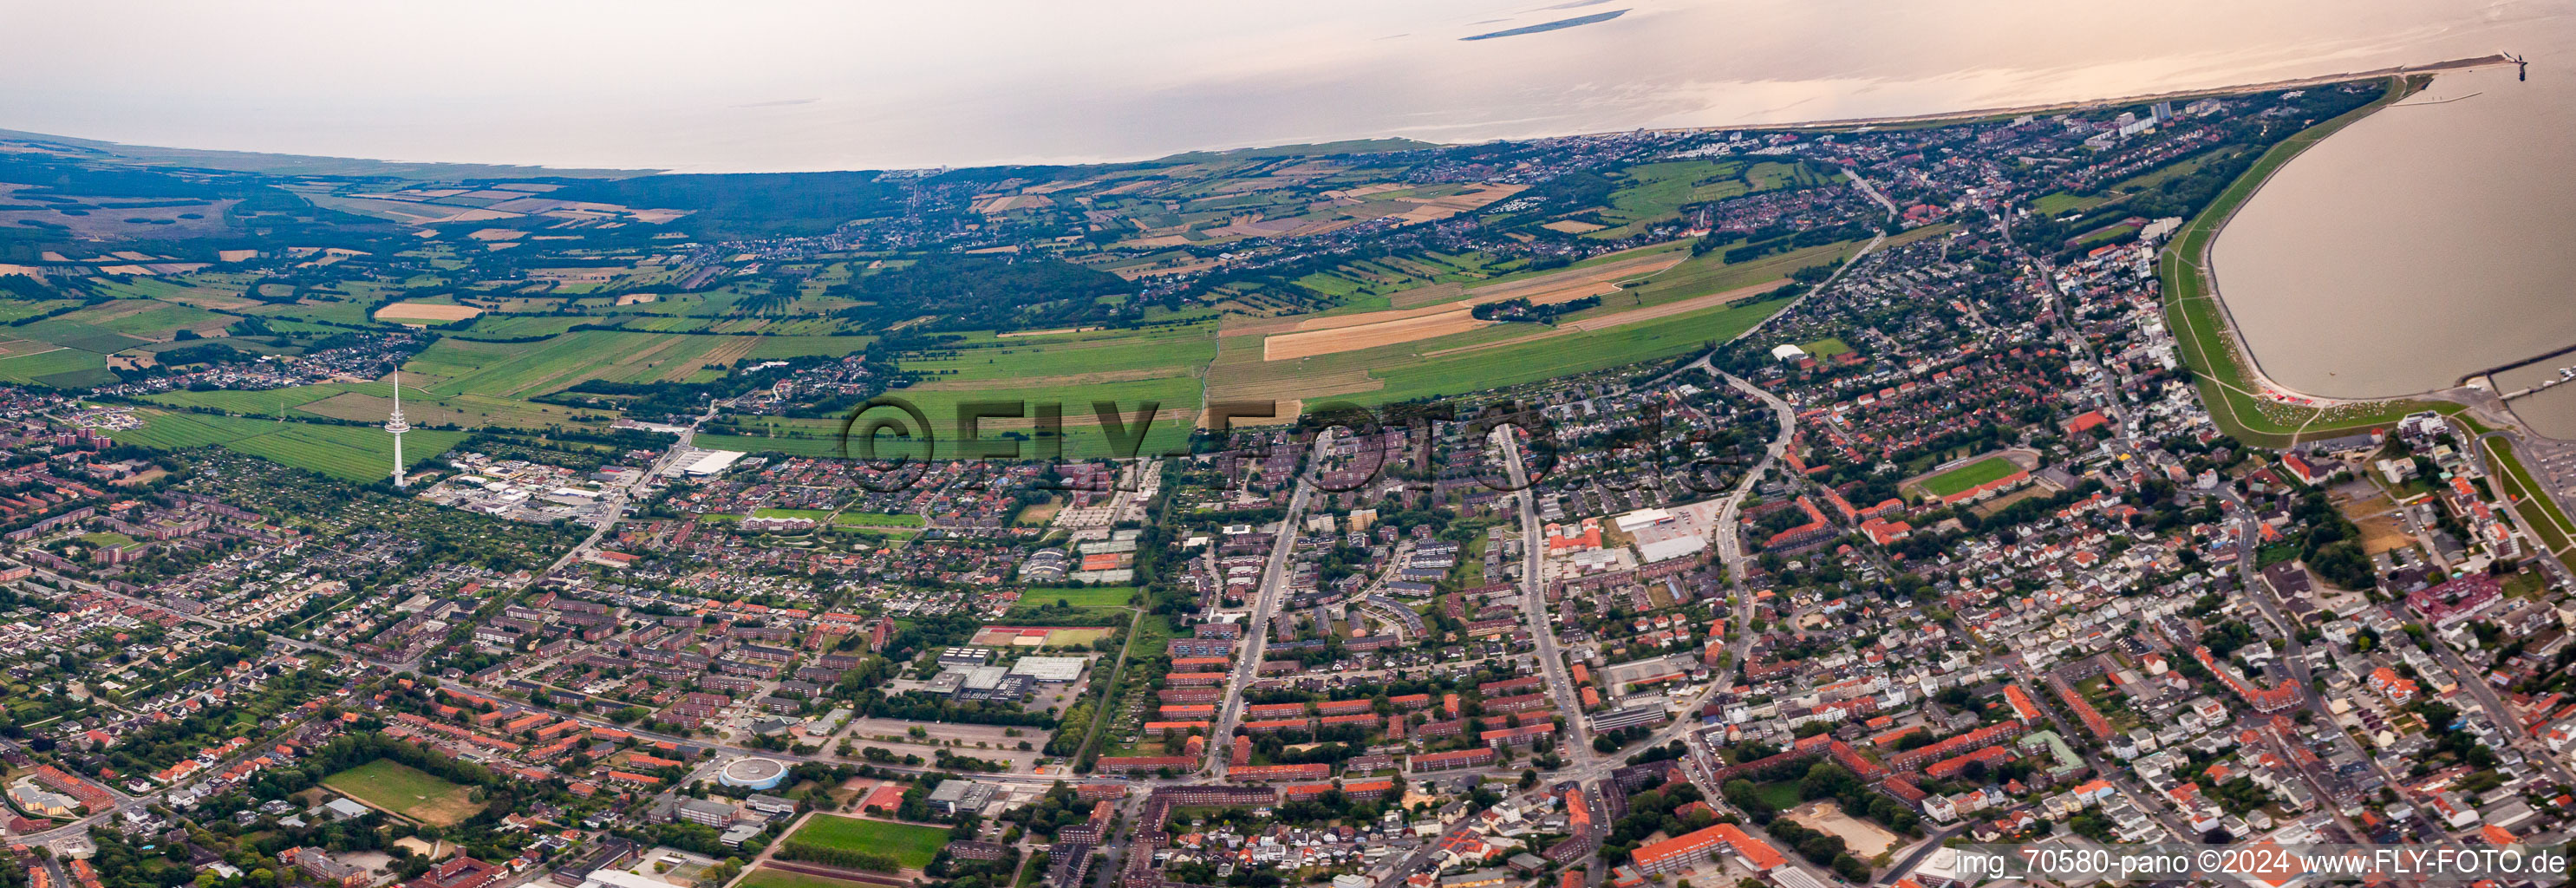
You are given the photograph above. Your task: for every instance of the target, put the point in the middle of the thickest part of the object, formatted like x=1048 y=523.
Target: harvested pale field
x=424 y=311
x=497 y=234
x=1571 y=226
x=1475 y=197
x=634 y=298
x=1352 y=332
x=1865 y=839
x=1004 y=203
x=2383 y=533
x=1353 y=337
x=2381 y=530
x=1633 y=316
x=1366 y=190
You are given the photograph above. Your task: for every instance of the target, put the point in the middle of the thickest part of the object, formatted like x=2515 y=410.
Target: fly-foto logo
x=899 y=440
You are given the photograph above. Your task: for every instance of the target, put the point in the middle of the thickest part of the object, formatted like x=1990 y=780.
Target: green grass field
x=877 y=519
x=2061 y=203
x=392 y=786
x=527 y=369
x=912 y=845
x=1967 y=477
x=1089 y=596
x=1827 y=347
x=369 y=402
x=68 y=333
x=157 y=322
x=1172 y=351
x=60 y=368
x=2550 y=526
x=771 y=877
x=1780 y=795
x=267 y=402
x=353 y=453
x=811 y=514
x=1506 y=365
x=107 y=539
x=13 y=309
x=1178 y=397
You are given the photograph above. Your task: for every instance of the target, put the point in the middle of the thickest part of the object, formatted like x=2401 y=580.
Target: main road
x=1265 y=602
x=1534 y=613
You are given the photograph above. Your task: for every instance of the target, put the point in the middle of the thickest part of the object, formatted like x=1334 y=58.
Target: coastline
x=1949 y=117
x=2228 y=372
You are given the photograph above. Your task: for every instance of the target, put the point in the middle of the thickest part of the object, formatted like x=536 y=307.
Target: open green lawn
x=912 y=845
x=528 y=369
x=771 y=877
x=158 y=322
x=2061 y=203
x=810 y=514
x=1827 y=347
x=265 y=402
x=13 y=309
x=107 y=539
x=392 y=786
x=64 y=331
x=370 y=401
x=1174 y=350
x=1967 y=477
x=354 y=453
x=68 y=368
x=1178 y=397
x=1089 y=596
x=877 y=519
x=1780 y=795
x=1505 y=365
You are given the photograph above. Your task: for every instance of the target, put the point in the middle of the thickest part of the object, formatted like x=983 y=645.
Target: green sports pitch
x=1969 y=477
x=912 y=845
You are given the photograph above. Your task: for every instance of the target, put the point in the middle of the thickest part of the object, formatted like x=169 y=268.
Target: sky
x=775 y=86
